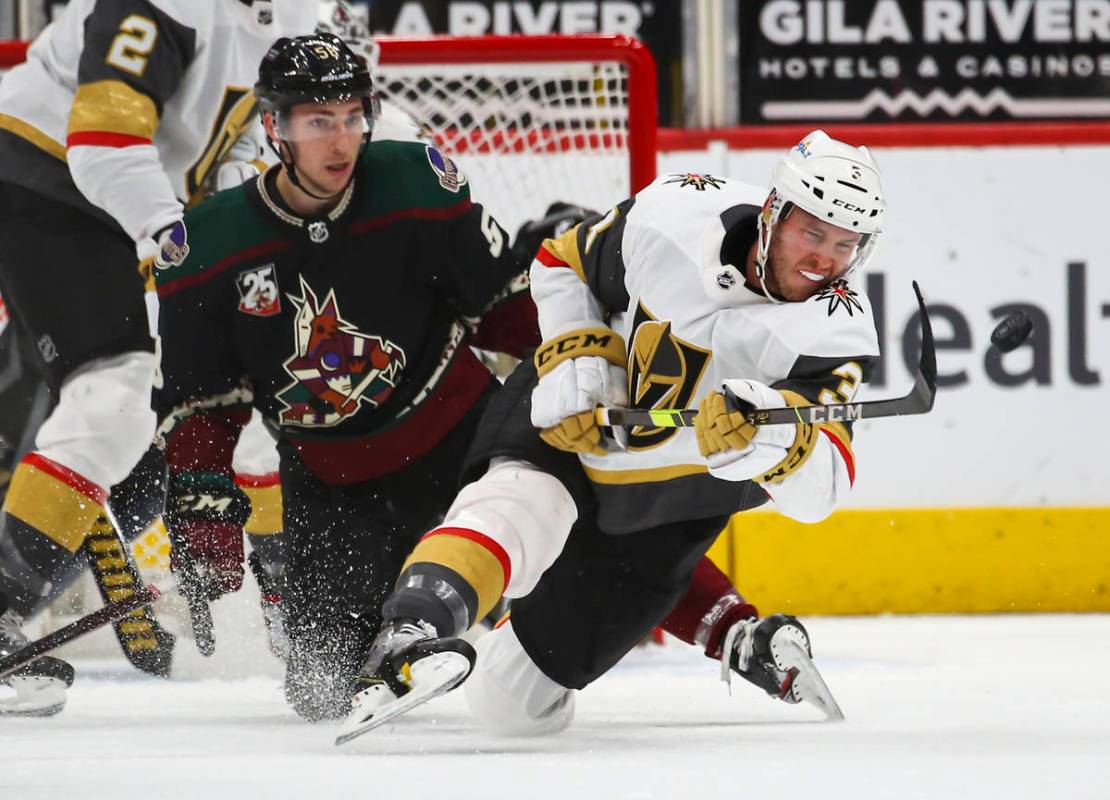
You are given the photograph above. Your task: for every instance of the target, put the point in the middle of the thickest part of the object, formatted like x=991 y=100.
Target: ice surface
x=937 y=707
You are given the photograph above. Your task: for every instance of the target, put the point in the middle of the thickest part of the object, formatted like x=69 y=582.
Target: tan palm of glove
x=718 y=429
x=575 y=434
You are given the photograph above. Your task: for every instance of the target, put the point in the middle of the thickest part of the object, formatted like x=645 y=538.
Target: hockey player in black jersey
x=337 y=294
x=694 y=284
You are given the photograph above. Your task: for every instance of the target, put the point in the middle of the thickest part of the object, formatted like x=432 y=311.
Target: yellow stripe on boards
x=921 y=561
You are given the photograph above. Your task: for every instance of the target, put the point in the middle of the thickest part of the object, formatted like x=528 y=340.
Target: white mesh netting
x=525 y=135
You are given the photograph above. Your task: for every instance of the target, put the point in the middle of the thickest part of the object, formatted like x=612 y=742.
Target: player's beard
x=778 y=268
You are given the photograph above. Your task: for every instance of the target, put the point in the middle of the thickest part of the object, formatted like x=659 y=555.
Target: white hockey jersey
x=640 y=270
x=142 y=98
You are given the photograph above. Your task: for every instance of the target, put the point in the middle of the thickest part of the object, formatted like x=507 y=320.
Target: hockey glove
x=579 y=371
x=205 y=513
x=736 y=450
x=559 y=218
x=244 y=160
x=173 y=248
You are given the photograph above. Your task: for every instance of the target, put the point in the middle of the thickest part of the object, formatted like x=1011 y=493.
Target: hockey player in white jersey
x=113 y=124
x=696 y=285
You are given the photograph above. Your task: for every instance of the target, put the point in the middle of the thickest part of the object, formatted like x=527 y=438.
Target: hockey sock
x=709 y=608
x=454 y=577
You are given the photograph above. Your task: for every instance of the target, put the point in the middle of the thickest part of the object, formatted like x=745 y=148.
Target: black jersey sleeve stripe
x=600 y=251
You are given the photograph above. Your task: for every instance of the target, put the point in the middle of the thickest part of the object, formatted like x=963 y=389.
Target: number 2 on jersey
x=136 y=38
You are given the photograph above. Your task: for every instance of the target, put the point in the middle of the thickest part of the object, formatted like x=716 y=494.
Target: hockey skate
x=40 y=687
x=774 y=654
x=407 y=666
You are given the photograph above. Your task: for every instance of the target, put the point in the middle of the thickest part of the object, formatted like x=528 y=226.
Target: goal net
x=531 y=120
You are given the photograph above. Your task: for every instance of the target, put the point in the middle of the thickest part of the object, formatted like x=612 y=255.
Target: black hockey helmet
x=319 y=68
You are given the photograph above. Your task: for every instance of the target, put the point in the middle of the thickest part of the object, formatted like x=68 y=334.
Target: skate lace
x=737 y=638
x=392 y=640
x=11 y=635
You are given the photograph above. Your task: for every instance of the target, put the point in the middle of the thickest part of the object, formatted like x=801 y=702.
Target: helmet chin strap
x=759 y=272
x=763 y=253
x=290 y=165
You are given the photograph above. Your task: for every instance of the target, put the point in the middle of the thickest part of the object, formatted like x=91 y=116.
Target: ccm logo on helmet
x=849 y=206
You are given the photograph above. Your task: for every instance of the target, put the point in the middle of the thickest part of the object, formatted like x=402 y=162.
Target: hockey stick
x=146 y=644
x=192 y=589
x=86 y=624
x=918 y=401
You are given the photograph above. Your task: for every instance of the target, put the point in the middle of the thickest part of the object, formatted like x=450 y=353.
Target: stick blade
x=928 y=363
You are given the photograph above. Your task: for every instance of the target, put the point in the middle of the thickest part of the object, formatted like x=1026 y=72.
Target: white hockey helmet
x=833 y=181
x=351 y=23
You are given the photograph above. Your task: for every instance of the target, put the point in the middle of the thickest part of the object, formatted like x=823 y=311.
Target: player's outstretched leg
x=408 y=665
x=37 y=690
x=509 y=695
x=774 y=653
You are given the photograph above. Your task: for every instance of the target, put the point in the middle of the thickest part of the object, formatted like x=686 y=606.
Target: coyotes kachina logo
x=336 y=368
x=697 y=180
x=663 y=372
x=840 y=296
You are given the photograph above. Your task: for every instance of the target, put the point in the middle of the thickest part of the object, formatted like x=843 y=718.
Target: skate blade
x=35 y=696
x=432 y=676
x=808 y=684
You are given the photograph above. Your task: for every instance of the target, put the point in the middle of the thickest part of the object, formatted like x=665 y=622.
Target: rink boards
x=1000 y=498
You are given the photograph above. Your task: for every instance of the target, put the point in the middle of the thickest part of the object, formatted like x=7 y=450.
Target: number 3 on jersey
x=136 y=38
x=851 y=375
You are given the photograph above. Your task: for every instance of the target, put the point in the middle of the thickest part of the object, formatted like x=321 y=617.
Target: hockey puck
x=1012 y=331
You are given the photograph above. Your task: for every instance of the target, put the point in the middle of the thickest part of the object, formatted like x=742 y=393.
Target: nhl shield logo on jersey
x=450 y=178
x=259 y=295
x=336 y=368
x=839 y=295
x=663 y=372
x=318 y=232
x=695 y=179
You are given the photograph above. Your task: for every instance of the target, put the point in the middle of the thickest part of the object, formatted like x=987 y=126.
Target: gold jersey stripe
x=33 y=135
x=51 y=506
x=266 y=510
x=621 y=477
x=476 y=564
x=112 y=107
x=565 y=248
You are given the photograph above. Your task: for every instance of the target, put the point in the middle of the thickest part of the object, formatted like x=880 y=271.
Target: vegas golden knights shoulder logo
x=663 y=372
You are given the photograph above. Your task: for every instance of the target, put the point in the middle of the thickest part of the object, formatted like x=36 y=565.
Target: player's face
x=807 y=254
x=326 y=138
